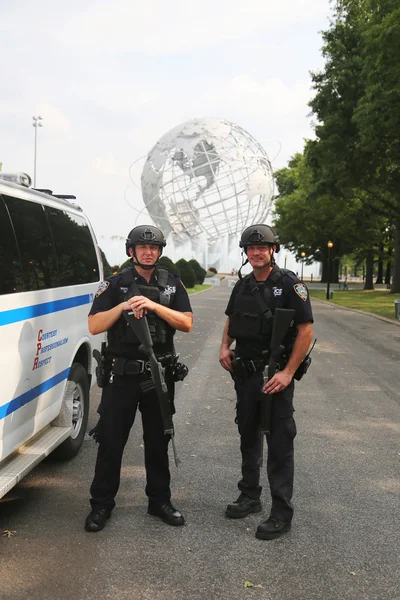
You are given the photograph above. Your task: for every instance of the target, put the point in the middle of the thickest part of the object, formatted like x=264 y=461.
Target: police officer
x=248 y=323
x=165 y=303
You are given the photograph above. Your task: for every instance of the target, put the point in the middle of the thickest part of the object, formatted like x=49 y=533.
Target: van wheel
x=80 y=412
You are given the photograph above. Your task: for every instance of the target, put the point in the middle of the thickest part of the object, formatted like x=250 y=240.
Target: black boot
x=96 y=519
x=272 y=529
x=242 y=507
x=167 y=513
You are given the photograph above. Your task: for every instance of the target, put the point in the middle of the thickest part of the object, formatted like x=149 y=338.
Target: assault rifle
x=283 y=318
x=142 y=331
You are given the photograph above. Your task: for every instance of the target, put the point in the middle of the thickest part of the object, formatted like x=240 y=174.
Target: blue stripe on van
x=37 y=310
x=27 y=397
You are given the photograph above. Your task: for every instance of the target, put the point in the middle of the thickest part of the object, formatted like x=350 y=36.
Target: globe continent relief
x=207 y=176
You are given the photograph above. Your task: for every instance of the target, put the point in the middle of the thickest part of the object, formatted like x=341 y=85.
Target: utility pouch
x=304 y=365
x=179 y=371
x=245 y=326
x=176 y=370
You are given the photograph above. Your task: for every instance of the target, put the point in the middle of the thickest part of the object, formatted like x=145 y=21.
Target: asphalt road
x=344 y=543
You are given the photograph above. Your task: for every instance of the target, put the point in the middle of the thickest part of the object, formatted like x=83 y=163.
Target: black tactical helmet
x=145 y=234
x=259 y=234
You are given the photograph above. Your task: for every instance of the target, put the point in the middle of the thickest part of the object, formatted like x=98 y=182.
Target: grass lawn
x=379 y=302
x=198 y=288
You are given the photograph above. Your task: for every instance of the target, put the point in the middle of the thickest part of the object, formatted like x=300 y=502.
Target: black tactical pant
x=117 y=411
x=280 y=462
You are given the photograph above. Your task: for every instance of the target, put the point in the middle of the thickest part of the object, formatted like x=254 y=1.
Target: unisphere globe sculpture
x=207 y=176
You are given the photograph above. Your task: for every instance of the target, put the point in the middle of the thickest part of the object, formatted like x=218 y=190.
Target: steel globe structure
x=205 y=181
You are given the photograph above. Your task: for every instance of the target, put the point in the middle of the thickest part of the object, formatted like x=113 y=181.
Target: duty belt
x=246 y=366
x=125 y=366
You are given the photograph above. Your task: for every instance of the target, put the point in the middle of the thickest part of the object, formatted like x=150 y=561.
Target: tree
x=108 y=270
x=167 y=264
x=198 y=270
x=357 y=150
x=187 y=274
x=307 y=217
x=127 y=264
x=377 y=114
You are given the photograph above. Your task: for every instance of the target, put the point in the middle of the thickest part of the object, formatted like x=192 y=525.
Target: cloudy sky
x=110 y=78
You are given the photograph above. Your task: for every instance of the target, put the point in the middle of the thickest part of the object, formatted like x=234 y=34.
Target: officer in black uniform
x=248 y=325
x=165 y=304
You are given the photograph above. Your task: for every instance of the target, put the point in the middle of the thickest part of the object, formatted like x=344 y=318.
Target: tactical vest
x=247 y=322
x=121 y=337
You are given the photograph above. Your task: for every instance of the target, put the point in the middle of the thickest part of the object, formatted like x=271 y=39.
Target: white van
x=50 y=268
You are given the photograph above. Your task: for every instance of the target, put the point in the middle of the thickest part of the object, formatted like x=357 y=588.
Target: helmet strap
x=244 y=262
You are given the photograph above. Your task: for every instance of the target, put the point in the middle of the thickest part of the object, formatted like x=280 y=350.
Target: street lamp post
x=303 y=255
x=330 y=245
x=37 y=122
x=285 y=257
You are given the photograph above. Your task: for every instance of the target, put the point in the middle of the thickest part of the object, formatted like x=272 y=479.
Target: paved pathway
x=344 y=543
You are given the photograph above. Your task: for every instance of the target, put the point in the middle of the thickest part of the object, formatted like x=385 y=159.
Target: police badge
x=169 y=289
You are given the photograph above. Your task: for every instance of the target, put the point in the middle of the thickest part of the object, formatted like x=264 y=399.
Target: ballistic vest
x=122 y=341
x=247 y=323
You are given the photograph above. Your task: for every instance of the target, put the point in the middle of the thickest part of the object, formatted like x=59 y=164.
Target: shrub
x=187 y=274
x=213 y=270
x=125 y=265
x=198 y=270
x=167 y=264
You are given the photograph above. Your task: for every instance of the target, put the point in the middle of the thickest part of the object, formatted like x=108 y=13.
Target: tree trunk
x=324 y=274
x=388 y=273
x=369 y=276
x=335 y=271
x=395 y=289
x=379 y=277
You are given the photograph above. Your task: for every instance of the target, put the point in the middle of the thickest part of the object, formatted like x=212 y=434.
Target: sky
x=110 y=78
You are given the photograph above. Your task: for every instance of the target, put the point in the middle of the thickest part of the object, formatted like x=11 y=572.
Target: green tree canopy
x=108 y=270
x=353 y=158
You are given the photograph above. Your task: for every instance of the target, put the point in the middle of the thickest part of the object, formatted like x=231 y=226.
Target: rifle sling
x=262 y=303
x=135 y=288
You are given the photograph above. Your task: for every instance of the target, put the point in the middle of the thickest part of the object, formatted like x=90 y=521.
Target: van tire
x=71 y=446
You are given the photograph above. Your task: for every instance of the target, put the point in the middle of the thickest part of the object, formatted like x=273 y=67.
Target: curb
x=361 y=312
x=201 y=291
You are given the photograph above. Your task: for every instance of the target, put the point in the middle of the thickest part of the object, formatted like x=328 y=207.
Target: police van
x=50 y=268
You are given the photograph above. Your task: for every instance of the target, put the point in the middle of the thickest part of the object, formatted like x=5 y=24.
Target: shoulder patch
x=102 y=288
x=301 y=291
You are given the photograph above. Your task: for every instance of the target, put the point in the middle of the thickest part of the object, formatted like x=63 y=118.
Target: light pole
x=303 y=255
x=37 y=122
x=285 y=257
x=330 y=245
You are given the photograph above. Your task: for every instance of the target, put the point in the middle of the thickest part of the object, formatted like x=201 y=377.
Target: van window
x=11 y=279
x=76 y=252
x=35 y=246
